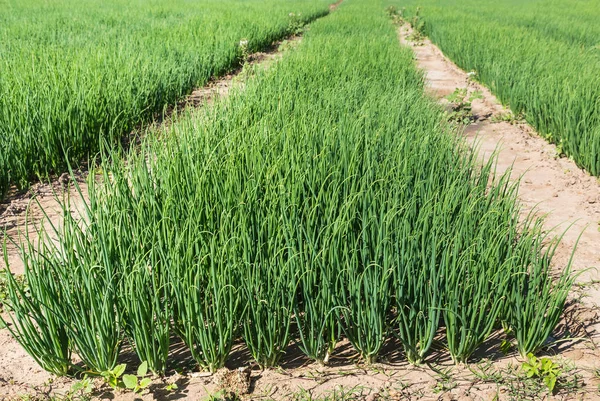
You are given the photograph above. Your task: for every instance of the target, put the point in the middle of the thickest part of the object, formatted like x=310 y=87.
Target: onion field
x=544 y=64
x=75 y=75
x=327 y=200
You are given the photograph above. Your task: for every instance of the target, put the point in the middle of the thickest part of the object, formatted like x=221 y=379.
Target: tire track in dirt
x=551 y=185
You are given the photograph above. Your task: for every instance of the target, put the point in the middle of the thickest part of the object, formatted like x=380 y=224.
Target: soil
x=552 y=185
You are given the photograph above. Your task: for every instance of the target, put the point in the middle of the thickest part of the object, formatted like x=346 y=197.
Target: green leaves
x=116 y=378
x=536 y=301
x=328 y=193
x=536 y=64
x=130 y=381
x=60 y=105
x=543 y=368
x=138 y=383
x=112 y=377
x=142 y=369
x=36 y=325
x=83 y=386
x=143 y=298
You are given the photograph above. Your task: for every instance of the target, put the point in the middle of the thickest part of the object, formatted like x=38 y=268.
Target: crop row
x=75 y=75
x=546 y=67
x=327 y=199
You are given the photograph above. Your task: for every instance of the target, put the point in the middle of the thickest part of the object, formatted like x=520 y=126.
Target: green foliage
x=535 y=305
x=74 y=75
x=396 y=15
x=112 y=377
x=83 y=386
x=222 y=395
x=4 y=287
x=35 y=325
x=542 y=368
x=506 y=346
x=207 y=305
x=543 y=66
x=117 y=379
x=138 y=382
x=146 y=312
x=329 y=193
x=508 y=117
x=460 y=101
x=296 y=23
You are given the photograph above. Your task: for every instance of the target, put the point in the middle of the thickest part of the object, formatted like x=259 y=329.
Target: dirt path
x=551 y=184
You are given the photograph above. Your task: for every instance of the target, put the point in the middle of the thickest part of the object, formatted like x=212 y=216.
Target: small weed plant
x=542 y=368
x=460 y=101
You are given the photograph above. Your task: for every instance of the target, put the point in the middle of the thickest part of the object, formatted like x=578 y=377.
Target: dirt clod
x=236 y=381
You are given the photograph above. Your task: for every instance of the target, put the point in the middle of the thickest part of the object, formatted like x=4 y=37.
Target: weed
x=138 y=382
x=542 y=368
x=287 y=45
x=445 y=380
x=112 y=377
x=460 y=101
x=485 y=371
x=223 y=395
x=83 y=386
x=117 y=379
x=509 y=117
x=396 y=15
x=295 y=24
x=244 y=51
x=338 y=393
x=418 y=28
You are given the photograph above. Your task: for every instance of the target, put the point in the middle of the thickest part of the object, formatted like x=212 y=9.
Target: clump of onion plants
x=417 y=287
x=366 y=306
x=536 y=298
x=269 y=288
x=89 y=278
x=35 y=325
x=146 y=311
x=207 y=303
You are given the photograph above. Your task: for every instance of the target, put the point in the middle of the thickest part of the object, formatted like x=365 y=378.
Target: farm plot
x=544 y=65
x=75 y=75
x=327 y=201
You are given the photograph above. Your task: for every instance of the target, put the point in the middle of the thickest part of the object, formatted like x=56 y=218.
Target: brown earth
x=549 y=183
